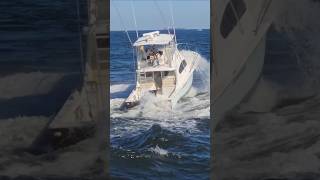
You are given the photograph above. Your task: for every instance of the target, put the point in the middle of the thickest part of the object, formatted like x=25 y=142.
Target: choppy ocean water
x=151 y=141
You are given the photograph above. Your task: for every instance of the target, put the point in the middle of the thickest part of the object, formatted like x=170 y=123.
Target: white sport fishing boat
x=239 y=43
x=161 y=69
x=239 y=31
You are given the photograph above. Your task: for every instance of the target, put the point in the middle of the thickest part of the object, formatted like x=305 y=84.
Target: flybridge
x=154 y=38
x=151 y=34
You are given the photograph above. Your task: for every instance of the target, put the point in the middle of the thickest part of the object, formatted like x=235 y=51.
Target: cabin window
x=182 y=66
x=229 y=19
x=142 y=75
x=165 y=73
x=171 y=73
x=102 y=42
x=149 y=74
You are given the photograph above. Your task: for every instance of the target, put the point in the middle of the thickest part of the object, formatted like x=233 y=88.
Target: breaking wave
x=118 y=88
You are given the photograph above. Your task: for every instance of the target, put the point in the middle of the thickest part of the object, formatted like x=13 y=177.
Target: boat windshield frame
x=167 y=50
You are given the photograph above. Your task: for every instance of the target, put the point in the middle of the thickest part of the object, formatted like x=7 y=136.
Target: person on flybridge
x=152 y=56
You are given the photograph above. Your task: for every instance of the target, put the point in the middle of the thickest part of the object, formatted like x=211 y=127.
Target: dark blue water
x=40 y=34
x=151 y=141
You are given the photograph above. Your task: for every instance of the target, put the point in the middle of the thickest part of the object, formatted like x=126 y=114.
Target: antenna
x=121 y=20
x=134 y=18
x=123 y=26
x=172 y=19
x=161 y=15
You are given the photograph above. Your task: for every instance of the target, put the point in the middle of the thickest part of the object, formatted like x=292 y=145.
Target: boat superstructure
x=161 y=69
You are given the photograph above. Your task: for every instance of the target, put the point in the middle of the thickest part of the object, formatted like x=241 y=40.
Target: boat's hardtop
x=154 y=38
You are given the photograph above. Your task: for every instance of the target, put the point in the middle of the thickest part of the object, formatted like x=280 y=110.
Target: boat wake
x=118 y=88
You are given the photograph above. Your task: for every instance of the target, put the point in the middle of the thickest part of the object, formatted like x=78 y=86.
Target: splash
x=202 y=72
x=118 y=88
x=19 y=132
x=300 y=21
x=158 y=150
x=150 y=105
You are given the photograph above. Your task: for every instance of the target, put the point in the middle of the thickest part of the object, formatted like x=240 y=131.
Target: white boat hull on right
x=241 y=84
x=181 y=92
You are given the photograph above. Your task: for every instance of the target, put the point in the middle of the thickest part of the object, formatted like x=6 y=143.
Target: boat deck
x=163 y=67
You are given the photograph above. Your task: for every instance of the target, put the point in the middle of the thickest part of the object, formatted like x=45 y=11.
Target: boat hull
x=243 y=82
x=182 y=91
x=129 y=104
x=174 y=98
